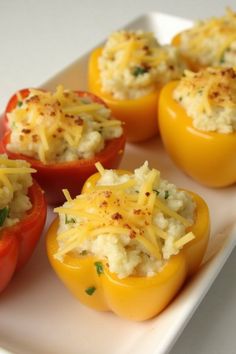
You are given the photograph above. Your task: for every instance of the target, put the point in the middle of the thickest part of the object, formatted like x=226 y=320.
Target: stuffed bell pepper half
x=128 y=242
x=197 y=119
x=128 y=73
x=62 y=135
x=22 y=216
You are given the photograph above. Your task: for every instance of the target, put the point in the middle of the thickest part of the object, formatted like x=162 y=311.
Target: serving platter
x=38 y=315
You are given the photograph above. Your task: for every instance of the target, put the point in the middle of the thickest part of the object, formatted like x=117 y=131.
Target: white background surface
x=38 y=38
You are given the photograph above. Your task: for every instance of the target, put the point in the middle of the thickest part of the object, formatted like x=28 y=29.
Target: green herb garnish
x=99 y=267
x=90 y=290
x=166 y=194
x=157 y=192
x=3 y=215
x=139 y=70
x=85 y=101
x=19 y=103
x=222 y=60
x=69 y=221
x=83 y=253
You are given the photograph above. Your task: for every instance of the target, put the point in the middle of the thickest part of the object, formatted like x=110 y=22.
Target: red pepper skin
x=18 y=242
x=71 y=175
x=9 y=247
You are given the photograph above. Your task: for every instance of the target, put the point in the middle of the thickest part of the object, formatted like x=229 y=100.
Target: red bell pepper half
x=71 y=175
x=18 y=242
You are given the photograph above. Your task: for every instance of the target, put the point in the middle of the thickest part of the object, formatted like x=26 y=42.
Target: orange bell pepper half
x=208 y=157
x=139 y=115
x=134 y=298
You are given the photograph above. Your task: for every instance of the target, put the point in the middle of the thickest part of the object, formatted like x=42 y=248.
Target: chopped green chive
x=222 y=60
x=157 y=192
x=99 y=268
x=3 y=215
x=90 y=290
x=69 y=221
x=19 y=103
x=83 y=253
x=139 y=70
x=85 y=101
x=167 y=194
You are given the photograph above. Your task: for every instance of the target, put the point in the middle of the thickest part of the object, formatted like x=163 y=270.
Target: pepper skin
x=18 y=242
x=54 y=177
x=133 y=298
x=138 y=114
x=208 y=157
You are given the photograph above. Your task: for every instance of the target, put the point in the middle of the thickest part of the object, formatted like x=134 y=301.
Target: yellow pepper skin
x=139 y=115
x=208 y=157
x=133 y=298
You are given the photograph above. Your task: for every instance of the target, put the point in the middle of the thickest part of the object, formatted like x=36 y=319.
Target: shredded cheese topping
x=134 y=64
x=15 y=180
x=60 y=126
x=211 y=42
x=209 y=98
x=125 y=213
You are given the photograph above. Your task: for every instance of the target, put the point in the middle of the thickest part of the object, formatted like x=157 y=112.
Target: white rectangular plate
x=38 y=315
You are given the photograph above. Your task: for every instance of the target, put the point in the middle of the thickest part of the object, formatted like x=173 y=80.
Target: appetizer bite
x=128 y=242
x=197 y=118
x=128 y=73
x=22 y=216
x=62 y=135
x=211 y=42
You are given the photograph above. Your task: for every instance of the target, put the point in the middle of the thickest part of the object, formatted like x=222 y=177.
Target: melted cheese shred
x=6 y=182
x=67 y=195
x=11 y=167
x=118 y=210
x=15 y=180
x=100 y=168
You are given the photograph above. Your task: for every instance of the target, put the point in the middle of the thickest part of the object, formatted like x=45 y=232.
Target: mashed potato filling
x=60 y=126
x=209 y=98
x=135 y=222
x=15 y=180
x=134 y=64
x=211 y=42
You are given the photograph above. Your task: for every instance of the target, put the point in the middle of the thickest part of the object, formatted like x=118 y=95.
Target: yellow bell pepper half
x=208 y=157
x=133 y=298
x=139 y=115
